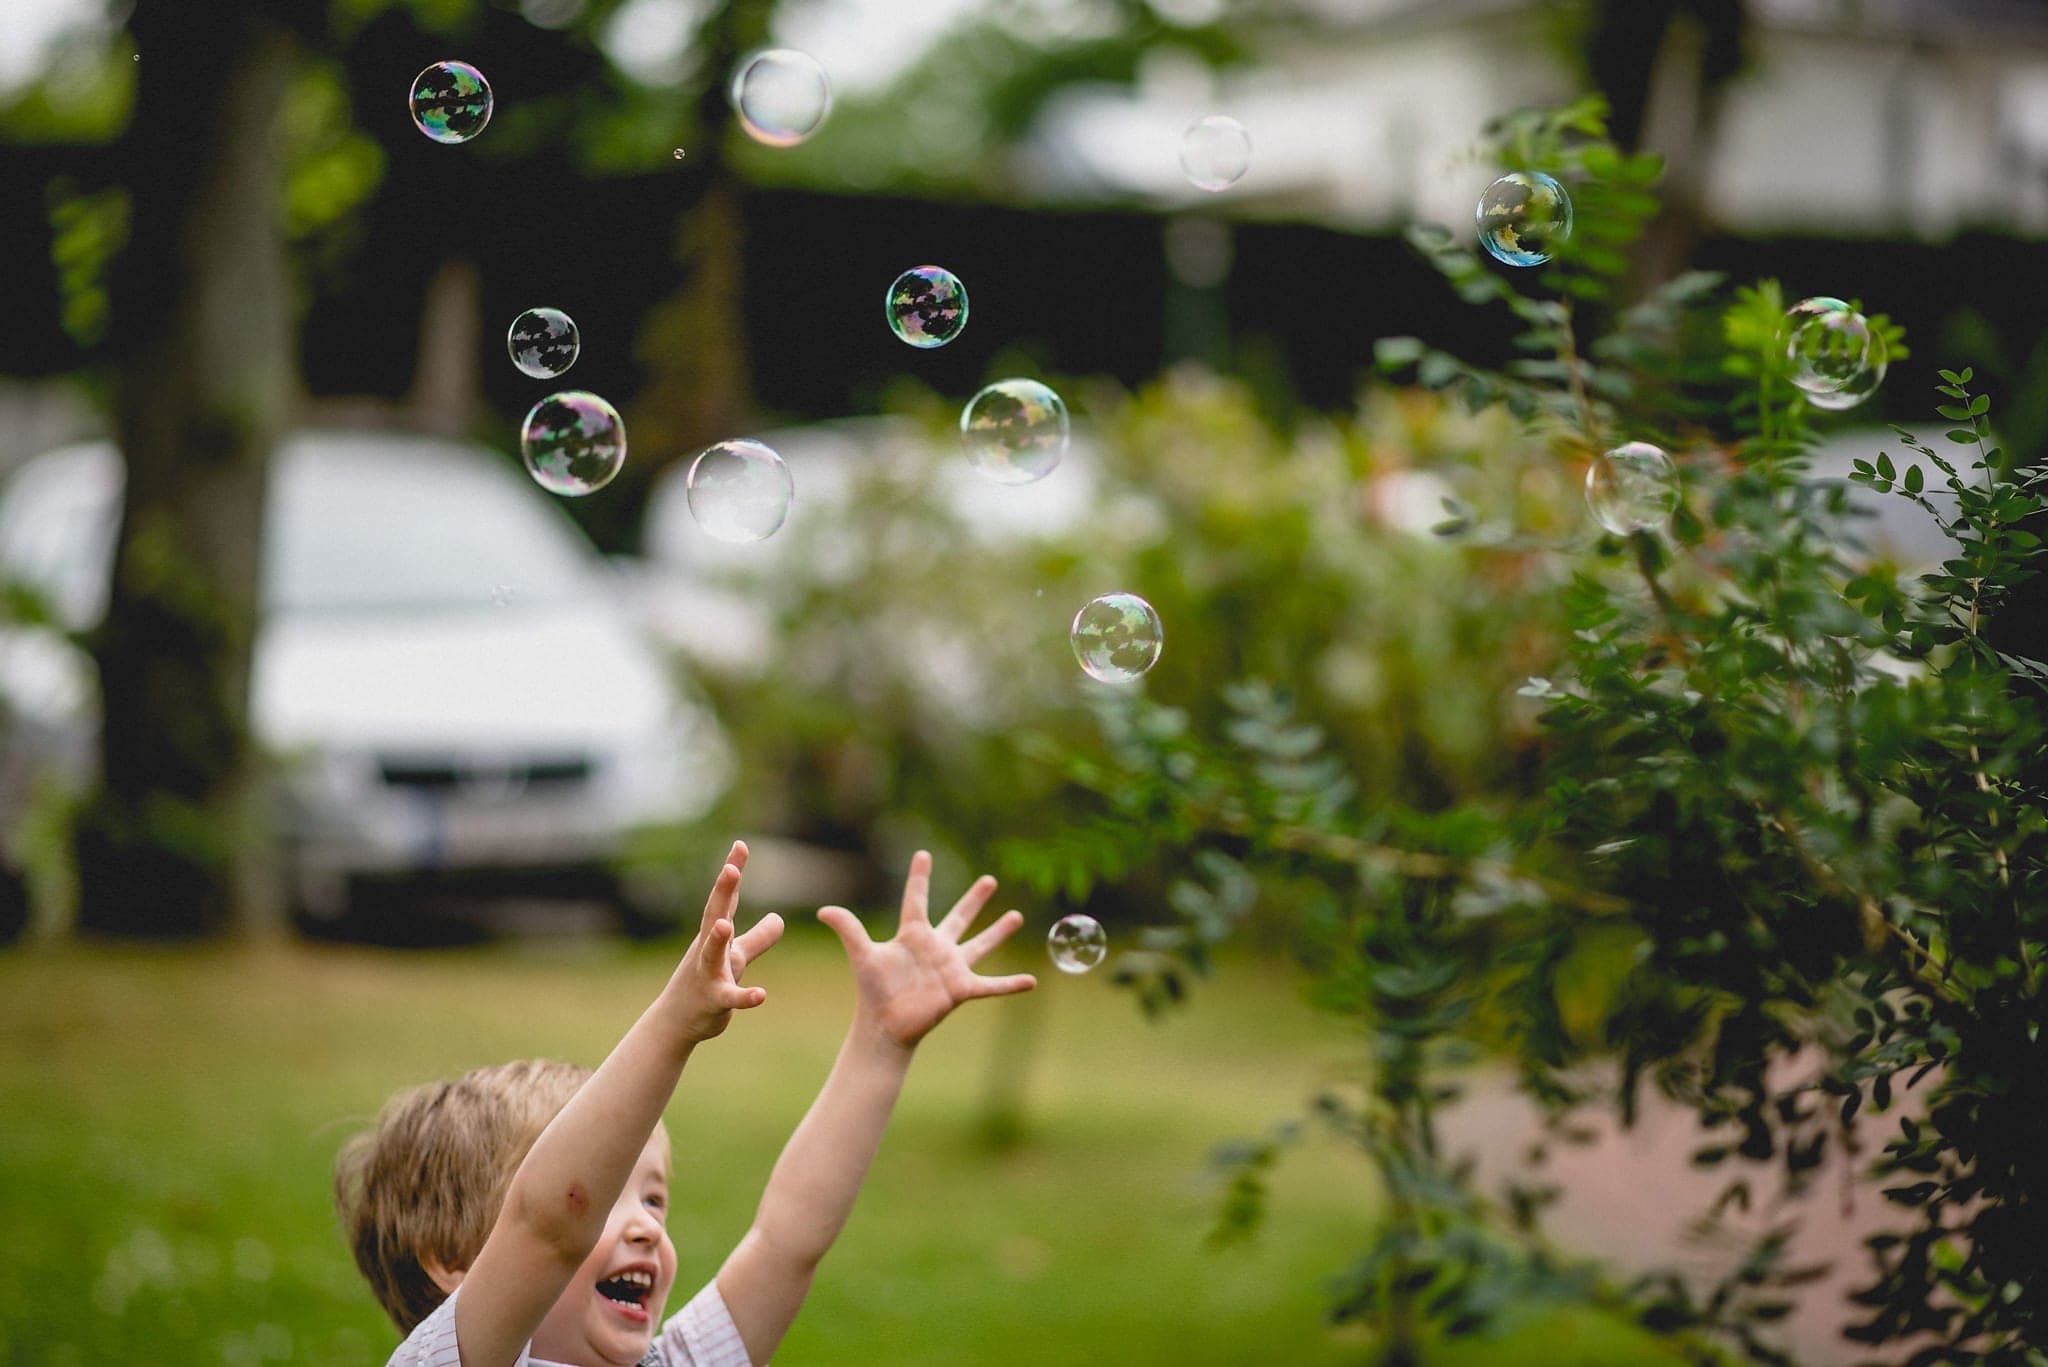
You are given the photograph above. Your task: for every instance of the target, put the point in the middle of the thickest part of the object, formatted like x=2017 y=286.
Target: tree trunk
x=169 y=845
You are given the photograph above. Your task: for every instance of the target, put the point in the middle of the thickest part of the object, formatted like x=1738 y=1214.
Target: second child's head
x=419 y=1193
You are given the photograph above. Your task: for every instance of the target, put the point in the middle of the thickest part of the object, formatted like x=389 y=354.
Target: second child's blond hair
x=425 y=1185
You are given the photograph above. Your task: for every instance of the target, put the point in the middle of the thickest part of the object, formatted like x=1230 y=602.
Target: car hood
x=525 y=676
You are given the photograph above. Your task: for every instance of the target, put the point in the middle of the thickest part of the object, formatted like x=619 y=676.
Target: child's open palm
x=710 y=971
x=912 y=982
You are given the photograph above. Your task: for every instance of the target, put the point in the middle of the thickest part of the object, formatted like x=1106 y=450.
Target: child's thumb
x=846 y=926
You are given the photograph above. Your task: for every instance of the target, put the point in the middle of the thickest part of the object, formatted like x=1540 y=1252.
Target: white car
x=448 y=680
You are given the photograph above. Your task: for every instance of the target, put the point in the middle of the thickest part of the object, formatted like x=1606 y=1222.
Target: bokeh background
x=891 y=671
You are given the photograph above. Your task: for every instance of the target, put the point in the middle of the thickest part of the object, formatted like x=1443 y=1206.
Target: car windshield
x=415 y=526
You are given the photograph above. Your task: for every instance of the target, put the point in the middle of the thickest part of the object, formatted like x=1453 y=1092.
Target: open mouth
x=628 y=1293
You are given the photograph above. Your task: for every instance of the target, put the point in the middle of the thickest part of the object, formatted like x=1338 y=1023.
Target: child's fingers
x=738 y=855
x=848 y=928
x=1005 y=926
x=917 y=890
x=713 y=943
x=725 y=895
x=967 y=908
x=758 y=940
x=1001 y=987
x=745 y=998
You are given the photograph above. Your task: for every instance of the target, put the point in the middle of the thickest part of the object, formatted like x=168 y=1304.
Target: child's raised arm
x=907 y=985
x=557 y=1204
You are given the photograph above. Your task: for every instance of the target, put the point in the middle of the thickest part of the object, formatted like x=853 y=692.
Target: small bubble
x=451 y=101
x=543 y=343
x=781 y=95
x=1632 y=488
x=573 y=443
x=501 y=596
x=1830 y=346
x=739 y=491
x=1015 y=431
x=927 y=306
x=678 y=154
x=1523 y=216
x=1116 y=637
x=1215 y=152
x=1076 y=943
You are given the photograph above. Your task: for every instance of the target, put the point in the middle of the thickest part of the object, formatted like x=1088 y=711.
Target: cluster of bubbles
x=1523 y=217
x=1838 y=359
x=1014 y=431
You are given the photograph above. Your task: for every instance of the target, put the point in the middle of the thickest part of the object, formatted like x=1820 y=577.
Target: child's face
x=613 y=1306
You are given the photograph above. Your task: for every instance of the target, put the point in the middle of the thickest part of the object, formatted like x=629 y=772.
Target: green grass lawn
x=171 y=1118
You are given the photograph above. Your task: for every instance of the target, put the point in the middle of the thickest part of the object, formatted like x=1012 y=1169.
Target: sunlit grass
x=172 y=1117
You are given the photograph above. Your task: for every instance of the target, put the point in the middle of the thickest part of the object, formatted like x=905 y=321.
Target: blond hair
x=425 y=1185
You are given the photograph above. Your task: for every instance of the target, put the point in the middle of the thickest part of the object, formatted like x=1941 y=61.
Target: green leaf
x=1914 y=481
x=1885 y=468
x=1980 y=405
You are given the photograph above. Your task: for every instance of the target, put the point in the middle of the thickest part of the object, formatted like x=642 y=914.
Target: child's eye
x=656 y=1201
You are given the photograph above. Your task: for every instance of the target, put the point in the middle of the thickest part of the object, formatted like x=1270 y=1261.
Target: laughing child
x=516 y=1216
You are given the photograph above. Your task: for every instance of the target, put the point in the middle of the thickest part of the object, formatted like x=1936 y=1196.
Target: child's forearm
x=812 y=1189
x=564 y=1190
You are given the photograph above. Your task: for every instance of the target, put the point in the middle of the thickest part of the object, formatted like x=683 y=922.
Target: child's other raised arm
x=907 y=985
x=557 y=1204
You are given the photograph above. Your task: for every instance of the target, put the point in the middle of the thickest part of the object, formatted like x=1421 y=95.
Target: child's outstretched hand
x=911 y=983
x=706 y=983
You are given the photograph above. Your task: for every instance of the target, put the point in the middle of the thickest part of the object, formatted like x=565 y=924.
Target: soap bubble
x=451 y=101
x=1215 y=152
x=1829 y=345
x=1632 y=487
x=782 y=96
x=679 y=154
x=1116 y=637
x=1863 y=385
x=573 y=443
x=927 y=306
x=1076 y=943
x=1015 y=431
x=1523 y=216
x=543 y=343
x=739 y=491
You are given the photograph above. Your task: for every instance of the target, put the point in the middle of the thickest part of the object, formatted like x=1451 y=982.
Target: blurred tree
x=203 y=350
x=1664 y=66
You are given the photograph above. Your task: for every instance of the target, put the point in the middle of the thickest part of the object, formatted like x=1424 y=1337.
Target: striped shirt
x=701 y=1334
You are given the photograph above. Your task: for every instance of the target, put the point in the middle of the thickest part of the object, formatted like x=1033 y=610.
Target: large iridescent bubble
x=1076 y=943
x=573 y=443
x=543 y=343
x=1831 y=347
x=1633 y=487
x=451 y=101
x=739 y=491
x=1015 y=431
x=1523 y=217
x=927 y=306
x=781 y=96
x=1117 y=637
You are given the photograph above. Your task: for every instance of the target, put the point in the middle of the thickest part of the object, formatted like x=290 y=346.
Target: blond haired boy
x=516 y=1216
